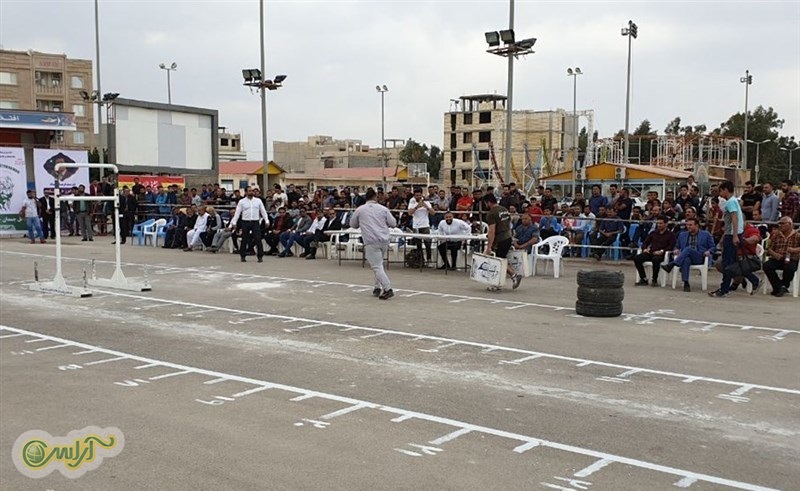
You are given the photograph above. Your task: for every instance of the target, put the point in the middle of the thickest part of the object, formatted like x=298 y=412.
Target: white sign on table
x=489 y=270
x=518 y=260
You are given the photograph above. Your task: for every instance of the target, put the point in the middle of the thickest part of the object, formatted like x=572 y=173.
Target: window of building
x=452 y=122
x=9 y=105
x=467 y=137
x=227 y=184
x=453 y=157
x=234 y=143
x=8 y=78
x=467 y=118
x=485 y=136
x=453 y=140
x=79 y=110
x=466 y=175
x=55 y=79
x=483 y=154
x=78 y=138
x=485 y=117
x=77 y=82
x=223 y=142
x=56 y=107
x=466 y=156
x=244 y=184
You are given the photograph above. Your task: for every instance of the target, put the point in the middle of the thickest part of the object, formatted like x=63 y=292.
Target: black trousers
x=251 y=235
x=453 y=246
x=125 y=225
x=645 y=257
x=789 y=269
x=49 y=225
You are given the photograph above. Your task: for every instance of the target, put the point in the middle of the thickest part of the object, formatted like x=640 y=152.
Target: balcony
x=51 y=87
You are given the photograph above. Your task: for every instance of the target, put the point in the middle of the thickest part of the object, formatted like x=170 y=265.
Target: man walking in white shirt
x=30 y=212
x=250 y=210
x=375 y=222
x=421 y=209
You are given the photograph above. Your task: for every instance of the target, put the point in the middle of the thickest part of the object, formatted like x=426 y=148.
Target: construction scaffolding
x=682 y=152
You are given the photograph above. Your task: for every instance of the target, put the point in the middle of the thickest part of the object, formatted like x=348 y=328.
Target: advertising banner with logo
x=13 y=184
x=152 y=181
x=44 y=163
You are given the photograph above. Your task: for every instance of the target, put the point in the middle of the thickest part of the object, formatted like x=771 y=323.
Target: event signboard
x=152 y=181
x=44 y=163
x=13 y=185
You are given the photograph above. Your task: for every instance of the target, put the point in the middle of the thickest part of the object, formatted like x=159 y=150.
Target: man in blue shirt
x=597 y=200
x=607 y=231
x=526 y=234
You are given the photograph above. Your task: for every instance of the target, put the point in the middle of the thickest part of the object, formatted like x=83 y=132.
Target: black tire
x=601 y=279
x=600 y=295
x=590 y=309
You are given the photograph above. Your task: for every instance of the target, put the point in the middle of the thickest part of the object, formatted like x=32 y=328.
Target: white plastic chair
x=151 y=231
x=702 y=268
x=662 y=282
x=394 y=243
x=353 y=245
x=556 y=244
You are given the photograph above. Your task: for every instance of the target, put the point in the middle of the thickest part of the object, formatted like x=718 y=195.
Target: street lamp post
x=253 y=78
x=632 y=31
x=383 y=90
x=100 y=131
x=168 y=69
x=747 y=80
x=791 y=151
x=511 y=49
x=574 y=74
x=758 y=153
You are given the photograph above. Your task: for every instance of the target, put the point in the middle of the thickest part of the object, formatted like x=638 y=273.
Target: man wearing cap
x=30 y=212
x=250 y=211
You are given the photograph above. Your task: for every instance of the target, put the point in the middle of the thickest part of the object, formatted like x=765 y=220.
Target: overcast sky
x=687 y=60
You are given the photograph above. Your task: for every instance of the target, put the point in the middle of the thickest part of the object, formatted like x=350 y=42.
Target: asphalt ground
x=290 y=375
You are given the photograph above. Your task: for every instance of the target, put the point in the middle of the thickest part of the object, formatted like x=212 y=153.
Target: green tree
x=642 y=138
x=414 y=152
x=763 y=124
x=674 y=127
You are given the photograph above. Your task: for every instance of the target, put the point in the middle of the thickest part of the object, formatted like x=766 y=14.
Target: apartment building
x=230 y=146
x=321 y=152
x=34 y=81
x=481 y=119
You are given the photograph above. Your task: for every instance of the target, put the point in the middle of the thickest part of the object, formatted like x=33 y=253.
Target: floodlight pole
x=631 y=32
x=509 y=105
x=264 y=146
x=746 y=80
x=790 y=151
x=100 y=131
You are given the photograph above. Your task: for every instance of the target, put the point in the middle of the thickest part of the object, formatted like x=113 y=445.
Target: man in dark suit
x=127 y=210
x=332 y=222
x=48 y=216
x=281 y=223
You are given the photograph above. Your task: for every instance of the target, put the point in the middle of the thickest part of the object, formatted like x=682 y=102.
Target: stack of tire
x=600 y=293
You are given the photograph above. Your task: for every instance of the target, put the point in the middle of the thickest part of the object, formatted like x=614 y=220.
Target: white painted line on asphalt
x=86 y=352
x=167 y=375
x=35 y=340
x=53 y=347
x=685 y=482
x=450 y=436
x=684 y=475
x=251 y=391
x=527 y=446
x=529 y=354
x=215 y=381
x=647 y=317
x=348 y=410
x=10 y=336
x=588 y=471
x=149 y=365
x=107 y=360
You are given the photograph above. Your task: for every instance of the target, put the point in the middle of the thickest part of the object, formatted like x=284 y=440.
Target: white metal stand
x=118 y=279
